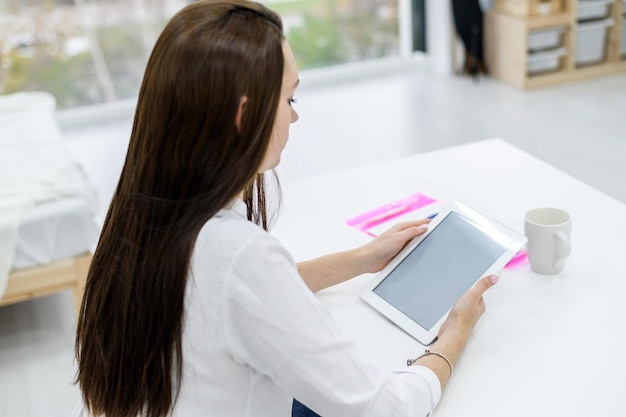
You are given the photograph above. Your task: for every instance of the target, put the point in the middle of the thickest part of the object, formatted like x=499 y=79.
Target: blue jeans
x=300 y=410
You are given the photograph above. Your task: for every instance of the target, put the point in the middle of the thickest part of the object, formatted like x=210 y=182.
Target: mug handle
x=562 y=248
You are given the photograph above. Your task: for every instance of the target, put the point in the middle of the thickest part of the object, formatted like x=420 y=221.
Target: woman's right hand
x=467 y=310
x=455 y=331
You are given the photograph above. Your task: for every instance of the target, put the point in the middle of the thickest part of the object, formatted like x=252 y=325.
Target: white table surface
x=547 y=345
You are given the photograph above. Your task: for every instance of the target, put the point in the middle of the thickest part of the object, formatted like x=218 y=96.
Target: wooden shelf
x=559 y=77
x=506 y=47
x=542 y=22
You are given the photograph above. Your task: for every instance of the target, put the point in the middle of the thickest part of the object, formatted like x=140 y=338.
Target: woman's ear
x=239 y=114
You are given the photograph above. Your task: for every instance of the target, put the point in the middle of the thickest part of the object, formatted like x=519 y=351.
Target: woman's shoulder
x=235 y=250
x=229 y=234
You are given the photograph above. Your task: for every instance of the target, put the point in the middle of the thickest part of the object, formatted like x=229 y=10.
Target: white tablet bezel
x=510 y=239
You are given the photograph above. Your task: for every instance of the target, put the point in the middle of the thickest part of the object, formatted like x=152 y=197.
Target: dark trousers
x=300 y=410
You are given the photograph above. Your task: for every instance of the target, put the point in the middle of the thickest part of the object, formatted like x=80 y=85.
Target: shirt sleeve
x=274 y=323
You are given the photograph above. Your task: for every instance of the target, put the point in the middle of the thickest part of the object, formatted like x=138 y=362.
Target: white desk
x=534 y=352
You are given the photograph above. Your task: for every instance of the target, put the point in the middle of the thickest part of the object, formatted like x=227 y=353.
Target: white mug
x=548 y=231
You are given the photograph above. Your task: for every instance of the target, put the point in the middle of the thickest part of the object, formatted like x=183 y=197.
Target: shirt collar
x=236 y=208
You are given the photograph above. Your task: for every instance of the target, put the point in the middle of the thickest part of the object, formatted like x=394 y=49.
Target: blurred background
x=89 y=52
x=380 y=79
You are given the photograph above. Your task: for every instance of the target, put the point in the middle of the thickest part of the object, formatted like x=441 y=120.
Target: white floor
x=578 y=128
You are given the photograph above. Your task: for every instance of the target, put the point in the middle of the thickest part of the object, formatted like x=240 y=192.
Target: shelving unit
x=507 y=46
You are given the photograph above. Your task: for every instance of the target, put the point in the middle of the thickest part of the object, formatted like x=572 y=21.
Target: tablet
x=417 y=289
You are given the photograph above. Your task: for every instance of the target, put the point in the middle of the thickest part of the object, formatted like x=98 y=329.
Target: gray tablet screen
x=439 y=270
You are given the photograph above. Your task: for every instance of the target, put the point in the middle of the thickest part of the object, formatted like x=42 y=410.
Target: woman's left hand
x=379 y=252
x=328 y=270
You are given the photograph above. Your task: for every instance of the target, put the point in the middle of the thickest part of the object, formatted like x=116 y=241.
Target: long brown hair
x=187 y=159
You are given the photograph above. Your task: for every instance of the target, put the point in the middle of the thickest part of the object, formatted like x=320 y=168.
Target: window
x=95 y=51
x=82 y=51
x=330 y=32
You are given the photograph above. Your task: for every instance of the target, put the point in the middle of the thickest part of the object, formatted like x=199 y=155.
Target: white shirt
x=255 y=337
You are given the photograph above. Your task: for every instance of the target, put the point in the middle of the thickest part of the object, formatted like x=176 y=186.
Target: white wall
x=440 y=36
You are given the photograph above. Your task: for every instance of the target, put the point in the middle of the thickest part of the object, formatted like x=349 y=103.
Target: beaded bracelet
x=427 y=352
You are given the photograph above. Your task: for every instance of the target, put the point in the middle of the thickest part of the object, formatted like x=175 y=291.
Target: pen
x=412 y=202
x=383 y=210
x=386 y=216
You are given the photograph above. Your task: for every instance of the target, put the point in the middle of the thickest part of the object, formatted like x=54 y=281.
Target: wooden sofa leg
x=81 y=267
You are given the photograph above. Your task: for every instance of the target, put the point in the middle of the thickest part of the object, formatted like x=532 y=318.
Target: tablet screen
x=451 y=258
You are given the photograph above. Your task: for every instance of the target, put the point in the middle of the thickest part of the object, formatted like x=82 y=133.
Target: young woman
x=191 y=307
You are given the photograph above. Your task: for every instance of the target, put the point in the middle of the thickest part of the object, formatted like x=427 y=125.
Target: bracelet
x=410 y=362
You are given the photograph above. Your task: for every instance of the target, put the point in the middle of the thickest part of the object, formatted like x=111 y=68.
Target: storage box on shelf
x=593 y=9
x=545 y=61
x=591 y=45
x=545 y=50
x=593 y=24
x=582 y=39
